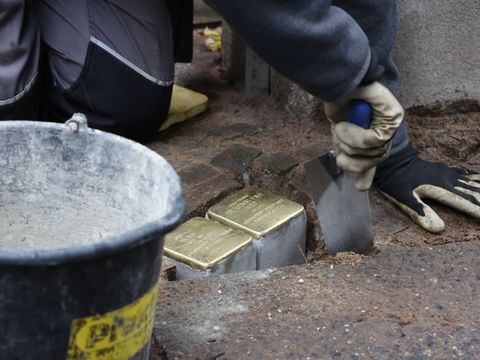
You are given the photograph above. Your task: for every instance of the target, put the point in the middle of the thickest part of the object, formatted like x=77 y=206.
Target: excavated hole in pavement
x=251 y=229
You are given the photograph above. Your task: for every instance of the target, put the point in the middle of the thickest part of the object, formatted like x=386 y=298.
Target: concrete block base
x=243 y=260
x=285 y=246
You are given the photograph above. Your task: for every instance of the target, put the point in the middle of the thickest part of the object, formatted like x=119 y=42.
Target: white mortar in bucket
x=61 y=187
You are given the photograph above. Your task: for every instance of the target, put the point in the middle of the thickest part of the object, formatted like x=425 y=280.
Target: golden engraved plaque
x=255 y=211
x=203 y=243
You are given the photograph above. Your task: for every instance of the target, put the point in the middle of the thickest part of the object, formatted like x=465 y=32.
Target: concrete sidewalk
x=397 y=304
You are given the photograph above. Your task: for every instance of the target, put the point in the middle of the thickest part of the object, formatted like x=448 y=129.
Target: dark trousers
x=112 y=60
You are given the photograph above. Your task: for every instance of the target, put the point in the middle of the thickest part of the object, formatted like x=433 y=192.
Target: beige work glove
x=359 y=150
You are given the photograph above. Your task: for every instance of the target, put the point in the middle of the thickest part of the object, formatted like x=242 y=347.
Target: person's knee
x=120 y=74
x=115 y=95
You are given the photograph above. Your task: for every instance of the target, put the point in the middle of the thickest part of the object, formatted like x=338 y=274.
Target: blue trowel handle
x=360 y=113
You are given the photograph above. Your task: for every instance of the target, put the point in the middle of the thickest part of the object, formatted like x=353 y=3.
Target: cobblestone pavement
x=417 y=298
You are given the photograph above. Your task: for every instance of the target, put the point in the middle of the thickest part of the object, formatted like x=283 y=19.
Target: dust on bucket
x=82 y=219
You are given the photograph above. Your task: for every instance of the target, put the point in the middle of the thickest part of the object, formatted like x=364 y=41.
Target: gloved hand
x=360 y=150
x=406 y=180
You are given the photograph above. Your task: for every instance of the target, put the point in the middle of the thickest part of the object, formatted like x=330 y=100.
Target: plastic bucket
x=82 y=219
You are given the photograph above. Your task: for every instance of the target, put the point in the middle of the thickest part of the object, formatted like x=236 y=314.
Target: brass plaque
x=255 y=211
x=203 y=243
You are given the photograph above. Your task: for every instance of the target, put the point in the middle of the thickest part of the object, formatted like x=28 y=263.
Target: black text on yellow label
x=117 y=335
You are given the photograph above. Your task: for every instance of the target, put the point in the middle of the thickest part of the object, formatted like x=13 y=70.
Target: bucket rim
x=109 y=245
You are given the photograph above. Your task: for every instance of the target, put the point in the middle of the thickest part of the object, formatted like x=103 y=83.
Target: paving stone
x=196 y=174
x=200 y=197
x=300 y=188
x=160 y=147
x=236 y=158
x=235 y=130
x=313 y=151
x=278 y=163
x=400 y=303
x=179 y=164
x=202 y=153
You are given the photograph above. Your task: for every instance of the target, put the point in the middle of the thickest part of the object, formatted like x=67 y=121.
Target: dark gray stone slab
x=161 y=148
x=236 y=158
x=179 y=164
x=278 y=163
x=314 y=151
x=200 y=197
x=197 y=174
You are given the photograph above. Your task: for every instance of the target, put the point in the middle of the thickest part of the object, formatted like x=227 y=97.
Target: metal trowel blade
x=343 y=211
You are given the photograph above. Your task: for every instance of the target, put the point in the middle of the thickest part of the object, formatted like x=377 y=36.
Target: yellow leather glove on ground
x=185 y=104
x=360 y=150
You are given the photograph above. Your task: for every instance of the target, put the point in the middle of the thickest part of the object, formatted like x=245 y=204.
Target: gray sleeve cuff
x=375 y=70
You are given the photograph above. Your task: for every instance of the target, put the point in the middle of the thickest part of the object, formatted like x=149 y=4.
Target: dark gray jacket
x=327 y=47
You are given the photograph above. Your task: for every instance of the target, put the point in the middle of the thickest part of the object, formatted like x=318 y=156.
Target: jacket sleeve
x=311 y=42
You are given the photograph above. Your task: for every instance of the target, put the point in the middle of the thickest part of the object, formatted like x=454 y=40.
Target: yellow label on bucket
x=117 y=335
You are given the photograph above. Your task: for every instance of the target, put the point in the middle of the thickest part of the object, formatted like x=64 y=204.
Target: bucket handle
x=76 y=122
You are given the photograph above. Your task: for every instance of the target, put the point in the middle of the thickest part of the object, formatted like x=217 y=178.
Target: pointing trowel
x=343 y=211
